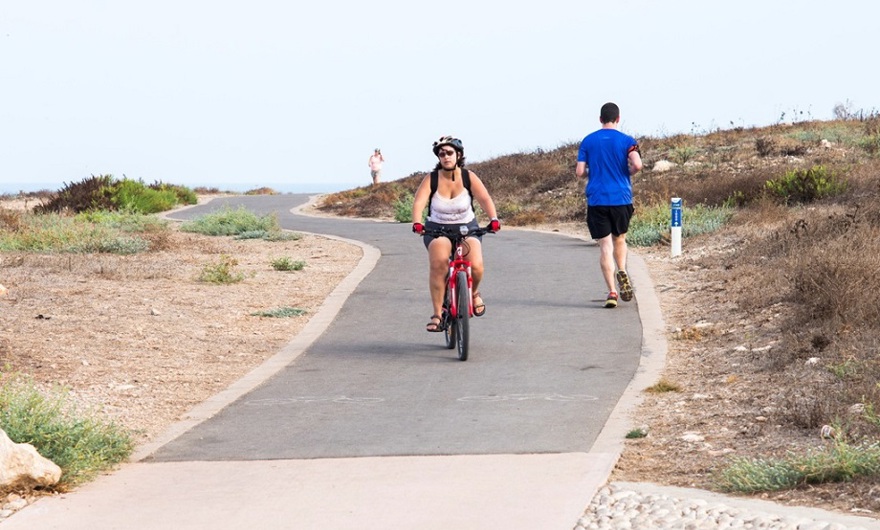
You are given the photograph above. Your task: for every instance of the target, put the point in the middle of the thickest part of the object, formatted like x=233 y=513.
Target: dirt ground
x=142 y=340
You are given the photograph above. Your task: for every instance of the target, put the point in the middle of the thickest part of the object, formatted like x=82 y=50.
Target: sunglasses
x=444 y=152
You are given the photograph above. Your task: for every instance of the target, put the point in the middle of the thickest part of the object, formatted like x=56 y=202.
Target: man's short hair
x=610 y=113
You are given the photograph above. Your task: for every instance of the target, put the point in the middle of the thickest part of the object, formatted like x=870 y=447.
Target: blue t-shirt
x=606 y=153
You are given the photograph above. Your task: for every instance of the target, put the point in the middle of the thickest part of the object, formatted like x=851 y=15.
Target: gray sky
x=295 y=96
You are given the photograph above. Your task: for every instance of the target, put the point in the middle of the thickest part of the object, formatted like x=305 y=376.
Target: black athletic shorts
x=604 y=220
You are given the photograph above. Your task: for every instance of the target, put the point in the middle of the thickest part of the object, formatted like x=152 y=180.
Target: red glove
x=418 y=228
x=494 y=225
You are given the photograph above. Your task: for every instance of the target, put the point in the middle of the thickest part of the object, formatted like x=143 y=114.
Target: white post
x=675 y=228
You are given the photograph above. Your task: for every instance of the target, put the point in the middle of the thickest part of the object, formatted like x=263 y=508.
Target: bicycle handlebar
x=454 y=234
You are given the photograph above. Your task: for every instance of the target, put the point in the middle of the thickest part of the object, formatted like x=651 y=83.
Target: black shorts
x=605 y=220
x=431 y=225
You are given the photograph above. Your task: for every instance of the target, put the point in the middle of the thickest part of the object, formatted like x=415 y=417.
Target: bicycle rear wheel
x=463 y=315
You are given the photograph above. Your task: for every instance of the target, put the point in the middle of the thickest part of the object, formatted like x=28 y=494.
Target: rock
x=22 y=467
x=692 y=437
x=662 y=165
x=3 y=290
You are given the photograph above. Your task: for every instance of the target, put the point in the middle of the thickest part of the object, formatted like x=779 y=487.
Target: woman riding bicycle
x=451 y=206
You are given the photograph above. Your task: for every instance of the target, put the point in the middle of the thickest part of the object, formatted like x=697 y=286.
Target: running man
x=612 y=158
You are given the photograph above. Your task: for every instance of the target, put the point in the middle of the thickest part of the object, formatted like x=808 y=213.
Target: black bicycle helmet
x=455 y=143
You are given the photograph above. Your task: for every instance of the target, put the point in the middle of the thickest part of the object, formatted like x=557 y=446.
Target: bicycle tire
x=449 y=327
x=462 y=319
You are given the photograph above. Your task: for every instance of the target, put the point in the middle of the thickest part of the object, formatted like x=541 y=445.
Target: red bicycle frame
x=457 y=263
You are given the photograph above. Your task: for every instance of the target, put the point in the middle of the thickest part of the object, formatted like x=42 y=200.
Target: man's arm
x=580 y=170
x=635 y=161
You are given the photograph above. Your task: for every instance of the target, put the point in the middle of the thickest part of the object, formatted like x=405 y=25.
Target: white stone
x=662 y=165
x=692 y=437
x=21 y=466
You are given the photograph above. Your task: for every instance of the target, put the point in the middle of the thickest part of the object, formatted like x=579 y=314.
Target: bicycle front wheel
x=462 y=318
x=449 y=326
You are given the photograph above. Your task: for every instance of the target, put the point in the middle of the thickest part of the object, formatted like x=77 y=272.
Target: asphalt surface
x=365 y=420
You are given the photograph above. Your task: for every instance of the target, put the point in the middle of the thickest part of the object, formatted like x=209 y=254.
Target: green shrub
x=134 y=196
x=229 y=222
x=222 y=271
x=287 y=264
x=80 y=442
x=651 y=225
x=806 y=185
x=682 y=154
x=60 y=233
x=124 y=221
x=282 y=235
x=403 y=208
x=871 y=144
x=184 y=195
x=841 y=462
x=104 y=192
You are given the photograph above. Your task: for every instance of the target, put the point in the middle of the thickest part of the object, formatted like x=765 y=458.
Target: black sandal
x=436 y=325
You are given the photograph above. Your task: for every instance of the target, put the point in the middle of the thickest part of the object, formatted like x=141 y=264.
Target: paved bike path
x=376 y=422
x=547 y=362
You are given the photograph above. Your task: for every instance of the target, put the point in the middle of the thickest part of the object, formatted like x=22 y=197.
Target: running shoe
x=625 y=286
x=611 y=301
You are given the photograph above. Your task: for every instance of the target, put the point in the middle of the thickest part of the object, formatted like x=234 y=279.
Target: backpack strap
x=465 y=179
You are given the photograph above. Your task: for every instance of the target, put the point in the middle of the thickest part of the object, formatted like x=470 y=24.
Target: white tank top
x=457 y=210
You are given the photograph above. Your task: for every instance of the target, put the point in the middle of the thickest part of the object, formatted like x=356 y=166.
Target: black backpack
x=465 y=178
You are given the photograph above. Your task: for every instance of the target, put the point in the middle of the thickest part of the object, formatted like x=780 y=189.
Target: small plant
x=806 y=185
x=79 y=441
x=221 y=272
x=682 y=154
x=287 y=264
x=281 y=312
x=765 y=146
x=640 y=432
x=663 y=386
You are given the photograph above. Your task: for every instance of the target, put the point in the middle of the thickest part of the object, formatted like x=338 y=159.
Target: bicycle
x=458 y=302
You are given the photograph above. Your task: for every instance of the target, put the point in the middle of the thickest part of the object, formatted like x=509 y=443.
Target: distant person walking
x=608 y=158
x=375 y=164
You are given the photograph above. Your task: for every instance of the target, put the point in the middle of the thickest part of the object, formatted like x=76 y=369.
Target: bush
x=183 y=194
x=806 y=185
x=93 y=193
x=651 y=225
x=134 y=196
x=103 y=192
x=80 y=442
x=60 y=233
x=840 y=463
x=403 y=209
x=229 y=222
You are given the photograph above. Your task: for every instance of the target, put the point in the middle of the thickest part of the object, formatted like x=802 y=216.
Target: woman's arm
x=420 y=200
